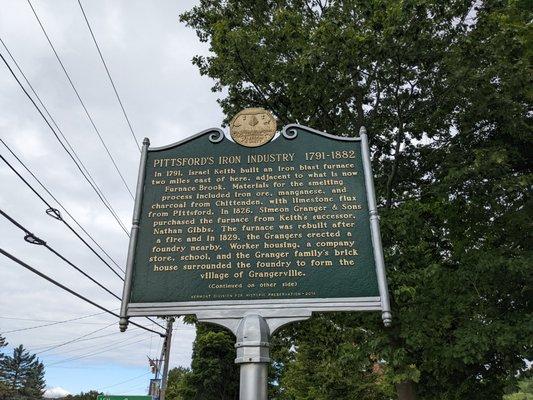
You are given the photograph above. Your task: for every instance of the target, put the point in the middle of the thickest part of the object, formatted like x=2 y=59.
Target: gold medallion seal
x=253 y=127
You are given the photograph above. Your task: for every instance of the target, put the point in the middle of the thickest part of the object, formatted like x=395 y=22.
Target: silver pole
x=123 y=323
x=253 y=381
x=374 y=230
x=164 y=376
x=253 y=356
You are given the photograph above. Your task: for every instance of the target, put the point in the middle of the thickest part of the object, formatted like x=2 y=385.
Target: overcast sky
x=149 y=53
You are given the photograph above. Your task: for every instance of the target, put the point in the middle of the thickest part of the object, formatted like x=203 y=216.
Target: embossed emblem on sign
x=253 y=127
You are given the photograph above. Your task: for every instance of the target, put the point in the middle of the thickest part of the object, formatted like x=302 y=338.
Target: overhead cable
x=108 y=206
x=104 y=344
x=64 y=209
x=155 y=322
x=109 y=76
x=136 y=389
x=55 y=214
x=78 y=339
x=31 y=238
x=74 y=340
x=65 y=288
x=127 y=380
x=103 y=350
x=46 y=320
x=19 y=68
x=52 y=323
x=80 y=99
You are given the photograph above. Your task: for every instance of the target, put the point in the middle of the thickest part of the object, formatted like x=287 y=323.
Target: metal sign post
x=374 y=228
x=255 y=234
x=252 y=345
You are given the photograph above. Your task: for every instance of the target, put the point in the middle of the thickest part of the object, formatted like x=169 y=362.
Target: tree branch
x=283 y=117
x=399 y=140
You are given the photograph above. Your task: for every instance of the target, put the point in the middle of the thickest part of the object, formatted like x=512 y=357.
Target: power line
x=103 y=350
x=155 y=322
x=109 y=76
x=63 y=208
x=65 y=288
x=52 y=323
x=31 y=238
x=55 y=214
x=105 y=344
x=99 y=348
x=80 y=367
x=19 y=68
x=158 y=345
x=126 y=381
x=79 y=339
x=136 y=389
x=108 y=206
x=53 y=122
x=75 y=340
x=47 y=320
x=51 y=211
x=151 y=342
x=80 y=99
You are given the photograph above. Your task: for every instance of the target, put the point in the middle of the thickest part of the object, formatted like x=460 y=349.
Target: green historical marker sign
x=221 y=222
x=262 y=224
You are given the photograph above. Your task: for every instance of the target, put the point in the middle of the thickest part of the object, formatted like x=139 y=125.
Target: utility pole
x=160 y=359
x=155 y=364
x=166 y=346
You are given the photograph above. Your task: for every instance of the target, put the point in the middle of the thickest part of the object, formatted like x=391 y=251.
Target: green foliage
x=90 y=395
x=329 y=363
x=34 y=385
x=213 y=375
x=445 y=91
x=177 y=383
x=22 y=376
x=4 y=390
x=525 y=391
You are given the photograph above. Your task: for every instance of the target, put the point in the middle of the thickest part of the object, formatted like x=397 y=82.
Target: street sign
x=255 y=233
x=289 y=225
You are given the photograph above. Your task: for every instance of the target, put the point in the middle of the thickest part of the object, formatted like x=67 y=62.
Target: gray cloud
x=148 y=52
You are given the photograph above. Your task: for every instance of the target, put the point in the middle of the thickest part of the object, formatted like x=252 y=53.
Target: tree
x=34 y=385
x=3 y=387
x=474 y=211
x=443 y=89
x=22 y=375
x=90 y=395
x=329 y=364
x=213 y=375
x=525 y=391
x=176 y=384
